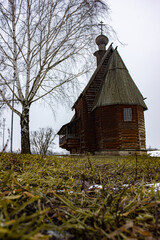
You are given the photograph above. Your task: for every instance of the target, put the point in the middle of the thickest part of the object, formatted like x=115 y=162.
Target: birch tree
x=39 y=42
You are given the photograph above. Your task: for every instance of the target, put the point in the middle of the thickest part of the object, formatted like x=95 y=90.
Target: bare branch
x=8 y=103
x=12 y=5
x=36 y=38
x=42 y=140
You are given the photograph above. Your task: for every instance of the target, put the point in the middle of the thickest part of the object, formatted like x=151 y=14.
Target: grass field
x=57 y=197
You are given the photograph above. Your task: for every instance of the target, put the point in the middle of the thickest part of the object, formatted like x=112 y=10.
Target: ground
x=64 y=197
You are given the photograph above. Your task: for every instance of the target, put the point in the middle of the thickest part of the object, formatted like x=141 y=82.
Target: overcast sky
x=137 y=24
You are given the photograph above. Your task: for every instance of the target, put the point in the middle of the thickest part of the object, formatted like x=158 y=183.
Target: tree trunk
x=25 y=139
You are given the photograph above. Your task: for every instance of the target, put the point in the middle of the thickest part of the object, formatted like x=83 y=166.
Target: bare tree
x=38 y=41
x=42 y=140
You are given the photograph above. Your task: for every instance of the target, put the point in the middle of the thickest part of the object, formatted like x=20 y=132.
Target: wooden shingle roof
x=118 y=86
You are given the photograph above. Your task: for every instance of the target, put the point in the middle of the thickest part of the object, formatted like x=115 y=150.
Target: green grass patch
x=50 y=197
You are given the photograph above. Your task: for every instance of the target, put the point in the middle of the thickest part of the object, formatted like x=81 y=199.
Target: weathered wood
x=103 y=128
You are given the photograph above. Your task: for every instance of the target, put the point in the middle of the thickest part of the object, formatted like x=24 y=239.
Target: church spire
x=101 y=41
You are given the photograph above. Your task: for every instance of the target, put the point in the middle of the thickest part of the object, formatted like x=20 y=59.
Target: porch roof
x=73 y=120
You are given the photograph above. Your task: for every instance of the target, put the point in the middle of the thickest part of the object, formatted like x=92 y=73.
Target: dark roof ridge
x=97 y=95
x=93 y=75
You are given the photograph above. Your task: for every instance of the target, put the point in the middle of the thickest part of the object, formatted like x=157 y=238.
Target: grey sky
x=137 y=24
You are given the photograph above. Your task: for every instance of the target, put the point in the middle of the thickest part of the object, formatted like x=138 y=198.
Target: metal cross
x=101 y=25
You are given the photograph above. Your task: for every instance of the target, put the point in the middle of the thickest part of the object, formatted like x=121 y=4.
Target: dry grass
x=50 y=197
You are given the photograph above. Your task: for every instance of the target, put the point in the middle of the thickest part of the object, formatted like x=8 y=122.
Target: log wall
x=112 y=132
x=105 y=129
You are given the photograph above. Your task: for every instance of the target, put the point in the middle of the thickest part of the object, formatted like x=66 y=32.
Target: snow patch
x=95 y=186
x=155 y=153
x=155 y=185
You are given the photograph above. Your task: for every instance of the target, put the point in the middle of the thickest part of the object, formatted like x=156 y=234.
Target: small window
x=127 y=114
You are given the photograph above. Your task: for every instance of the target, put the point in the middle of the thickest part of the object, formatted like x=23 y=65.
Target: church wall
x=82 y=131
x=128 y=133
x=132 y=133
x=106 y=124
x=141 y=128
x=105 y=129
x=112 y=132
x=91 y=133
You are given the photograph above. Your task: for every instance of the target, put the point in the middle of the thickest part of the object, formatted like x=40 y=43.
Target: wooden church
x=109 y=113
